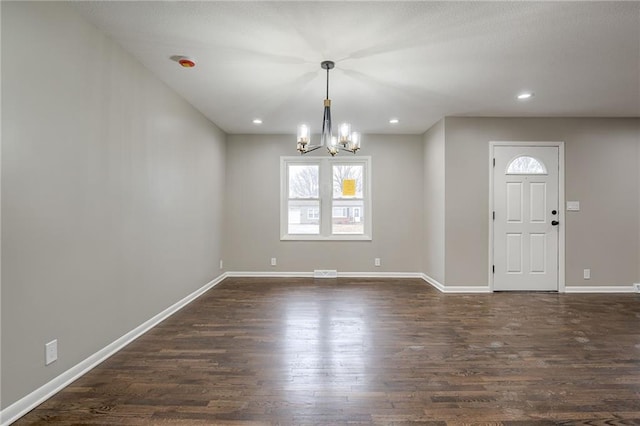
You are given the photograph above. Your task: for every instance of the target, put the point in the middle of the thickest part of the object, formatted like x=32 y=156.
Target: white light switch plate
x=573 y=206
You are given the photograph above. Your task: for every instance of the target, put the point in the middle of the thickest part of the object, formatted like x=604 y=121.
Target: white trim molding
x=600 y=289
x=417 y=275
x=283 y=274
x=467 y=289
x=455 y=289
x=434 y=283
x=265 y=274
x=21 y=407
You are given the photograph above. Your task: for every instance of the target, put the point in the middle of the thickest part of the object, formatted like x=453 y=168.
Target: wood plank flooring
x=369 y=351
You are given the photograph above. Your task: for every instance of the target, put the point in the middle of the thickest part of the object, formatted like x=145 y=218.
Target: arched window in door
x=525 y=165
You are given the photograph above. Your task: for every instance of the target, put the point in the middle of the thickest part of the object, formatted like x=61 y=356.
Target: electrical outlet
x=274 y=262
x=376 y=261
x=51 y=352
x=221 y=264
x=586 y=274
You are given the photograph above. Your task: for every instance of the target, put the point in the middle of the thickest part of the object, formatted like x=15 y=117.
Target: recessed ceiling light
x=394 y=121
x=525 y=95
x=187 y=62
x=257 y=121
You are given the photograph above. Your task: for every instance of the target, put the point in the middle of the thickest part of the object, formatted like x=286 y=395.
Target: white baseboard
x=379 y=275
x=267 y=274
x=37 y=397
x=600 y=289
x=455 y=289
x=467 y=289
x=635 y=288
x=433 y=282
x=257 y=274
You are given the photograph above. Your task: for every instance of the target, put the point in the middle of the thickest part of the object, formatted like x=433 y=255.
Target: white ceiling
x=417 y=61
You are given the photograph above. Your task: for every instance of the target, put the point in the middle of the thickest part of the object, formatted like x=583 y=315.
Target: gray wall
x=253 y=209
x=434 y=199
x=601 y=166
x=112 y=189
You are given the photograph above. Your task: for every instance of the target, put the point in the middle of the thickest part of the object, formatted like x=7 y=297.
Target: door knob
x=555 y=222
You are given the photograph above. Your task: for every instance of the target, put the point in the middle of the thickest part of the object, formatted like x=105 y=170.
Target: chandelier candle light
x=346 y=139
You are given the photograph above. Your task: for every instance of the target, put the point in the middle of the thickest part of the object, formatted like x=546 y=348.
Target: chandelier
x=346 y=139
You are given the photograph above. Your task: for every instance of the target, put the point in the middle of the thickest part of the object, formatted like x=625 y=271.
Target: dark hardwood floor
x=369 y=351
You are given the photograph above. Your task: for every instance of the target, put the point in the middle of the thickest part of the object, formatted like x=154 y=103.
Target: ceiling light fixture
x=346 y=139
x=257 y=121
x=394 y=121
x=525 y=95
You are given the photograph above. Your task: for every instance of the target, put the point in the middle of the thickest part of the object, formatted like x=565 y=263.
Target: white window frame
x=540 y=162
x=326 y=198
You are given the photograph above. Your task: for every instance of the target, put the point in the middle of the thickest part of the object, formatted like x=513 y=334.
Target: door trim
x=561 y=205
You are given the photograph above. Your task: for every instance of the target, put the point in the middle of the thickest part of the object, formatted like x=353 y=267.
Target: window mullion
x=326 y=192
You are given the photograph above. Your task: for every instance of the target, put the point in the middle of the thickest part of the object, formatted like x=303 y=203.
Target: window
x=304 y=196
x=525 y=165
x=347 y=198
x=325 y=198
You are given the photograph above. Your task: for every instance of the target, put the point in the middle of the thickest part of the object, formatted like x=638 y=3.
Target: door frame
x=561 y=205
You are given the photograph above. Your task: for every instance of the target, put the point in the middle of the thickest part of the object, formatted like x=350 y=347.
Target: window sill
x=289 y=237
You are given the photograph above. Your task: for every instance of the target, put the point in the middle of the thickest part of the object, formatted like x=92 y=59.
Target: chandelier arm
x=313 y=148
x=353 y=151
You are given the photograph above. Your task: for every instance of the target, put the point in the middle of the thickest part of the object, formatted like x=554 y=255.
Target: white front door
x=526 y=218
